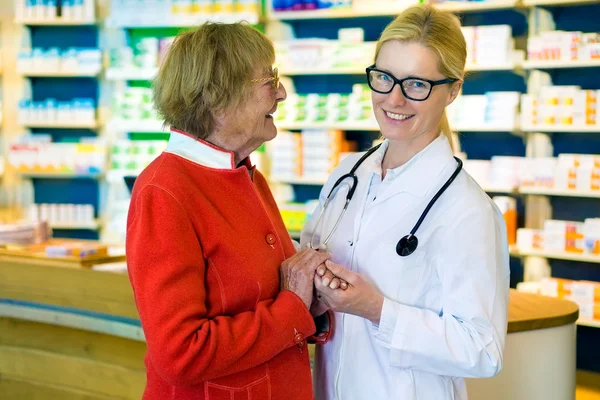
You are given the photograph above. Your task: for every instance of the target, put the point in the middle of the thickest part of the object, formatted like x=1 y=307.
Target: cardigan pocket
x=257 y=390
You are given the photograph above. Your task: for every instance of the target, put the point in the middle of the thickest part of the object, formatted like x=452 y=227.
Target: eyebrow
x=408 y=77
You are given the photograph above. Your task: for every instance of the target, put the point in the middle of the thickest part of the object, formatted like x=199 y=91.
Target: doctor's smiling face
x=416 y=123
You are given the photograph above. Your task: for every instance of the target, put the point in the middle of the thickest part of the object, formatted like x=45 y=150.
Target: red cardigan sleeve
x=167 y=270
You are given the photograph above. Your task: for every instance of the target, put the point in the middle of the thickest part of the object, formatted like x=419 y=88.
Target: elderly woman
x=222 y=295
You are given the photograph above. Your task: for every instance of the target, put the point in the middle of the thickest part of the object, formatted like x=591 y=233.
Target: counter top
x=527 y=312
x=110 y=293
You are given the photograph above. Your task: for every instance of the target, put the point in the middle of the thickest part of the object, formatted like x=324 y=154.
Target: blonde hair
x=208 y=69
x=438 y=31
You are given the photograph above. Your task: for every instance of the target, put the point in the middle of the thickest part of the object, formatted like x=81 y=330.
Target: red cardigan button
x=271 y=239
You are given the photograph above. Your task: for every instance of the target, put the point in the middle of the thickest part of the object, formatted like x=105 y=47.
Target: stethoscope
x=408 y=244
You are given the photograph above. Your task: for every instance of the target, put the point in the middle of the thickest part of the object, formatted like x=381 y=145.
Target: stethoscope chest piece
x=407 y=245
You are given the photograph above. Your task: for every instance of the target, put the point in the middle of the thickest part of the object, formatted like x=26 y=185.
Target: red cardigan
x=204 y=247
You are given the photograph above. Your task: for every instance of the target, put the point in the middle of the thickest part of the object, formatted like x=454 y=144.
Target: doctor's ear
x=454 y=91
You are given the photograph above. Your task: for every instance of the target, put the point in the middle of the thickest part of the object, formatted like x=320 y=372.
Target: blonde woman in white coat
x=411 y=326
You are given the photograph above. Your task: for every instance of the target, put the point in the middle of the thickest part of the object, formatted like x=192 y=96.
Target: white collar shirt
x=444 y=316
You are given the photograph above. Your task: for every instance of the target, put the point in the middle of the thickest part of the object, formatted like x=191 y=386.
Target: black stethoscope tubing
x=406 y=245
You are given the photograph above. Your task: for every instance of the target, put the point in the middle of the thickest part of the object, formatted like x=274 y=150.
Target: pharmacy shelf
x=550 y=64
x=59 y=74
x=484 y=128
x=58 y=175
x=299 y=181
x=359 y=70
x=130 y=74
x=330 y=13
x=134 y=126
x=561 y=128
x=592 y=323
x=61 y=125
x=476 y=6
x=345 y=126
x=493 y=67
x=563 y=255
x=55 y=22
x=93 y=226
x=535 y=3
x=559 y=193
x=500 y=189
x=335 y=13
x=325 y=71
x=127 y=21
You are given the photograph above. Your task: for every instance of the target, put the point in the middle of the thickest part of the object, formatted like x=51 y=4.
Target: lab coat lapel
x=421 y=175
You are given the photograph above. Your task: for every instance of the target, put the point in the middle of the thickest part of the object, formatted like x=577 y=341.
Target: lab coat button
x=271 y=239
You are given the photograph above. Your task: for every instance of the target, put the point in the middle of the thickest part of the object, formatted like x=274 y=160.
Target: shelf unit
x=341 y=13
x=59 y=175
x=568 y=256
x=592 y=323
x=561 y=128
x=346 y=126
x=550 y=64
x=51 y=33
x=130 y=74
x=95 y=225
x=557 y=3
x=559 y=193
x=62 y=125
x=59 y=74
x=55 y=22
x=135 y=126
x=360 y=70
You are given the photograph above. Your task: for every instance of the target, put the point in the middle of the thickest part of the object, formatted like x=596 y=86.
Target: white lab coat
x=444 y=316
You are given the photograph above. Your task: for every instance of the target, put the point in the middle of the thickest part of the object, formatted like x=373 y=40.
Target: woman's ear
x=454 y=91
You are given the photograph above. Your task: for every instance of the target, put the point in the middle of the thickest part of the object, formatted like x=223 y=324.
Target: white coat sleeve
x=467 y=338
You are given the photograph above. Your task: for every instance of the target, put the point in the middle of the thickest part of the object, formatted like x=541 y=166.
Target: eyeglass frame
x=400 y=81
x=274 y=78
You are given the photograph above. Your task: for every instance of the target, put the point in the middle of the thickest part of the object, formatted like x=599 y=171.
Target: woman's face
x=251 y=124
x=403 y=119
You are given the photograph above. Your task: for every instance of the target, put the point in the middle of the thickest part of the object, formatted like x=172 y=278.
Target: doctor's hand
x=361 y=298
x=298 y=272
x=328 y=279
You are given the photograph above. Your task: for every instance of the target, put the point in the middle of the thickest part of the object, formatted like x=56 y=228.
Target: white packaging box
x=530 y=239
x=529 y=111
x=591 y=233
x=563 y=235
x=504 y=171
x=493 y=44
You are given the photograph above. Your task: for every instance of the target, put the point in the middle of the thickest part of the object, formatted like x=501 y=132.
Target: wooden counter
x=73 y=333
x=527 y=312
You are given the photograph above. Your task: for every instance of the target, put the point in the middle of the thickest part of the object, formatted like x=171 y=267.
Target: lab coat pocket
x=221 y=389
x=412 y=280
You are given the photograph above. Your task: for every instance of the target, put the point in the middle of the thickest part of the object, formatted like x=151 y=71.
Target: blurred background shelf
x=75 y=226
x=536 y=3
x=55 y=22
x=61 y=125
x=346 y=126
x=130 y=74
x=561 y=129
x=300 y=181
x=65 y=175
x=568 y=256
x=561 y=64
x=592 y=323
x=59 y=74
x=559 y=193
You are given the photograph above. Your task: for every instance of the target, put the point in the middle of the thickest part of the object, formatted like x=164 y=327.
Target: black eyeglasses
x=416 y=89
